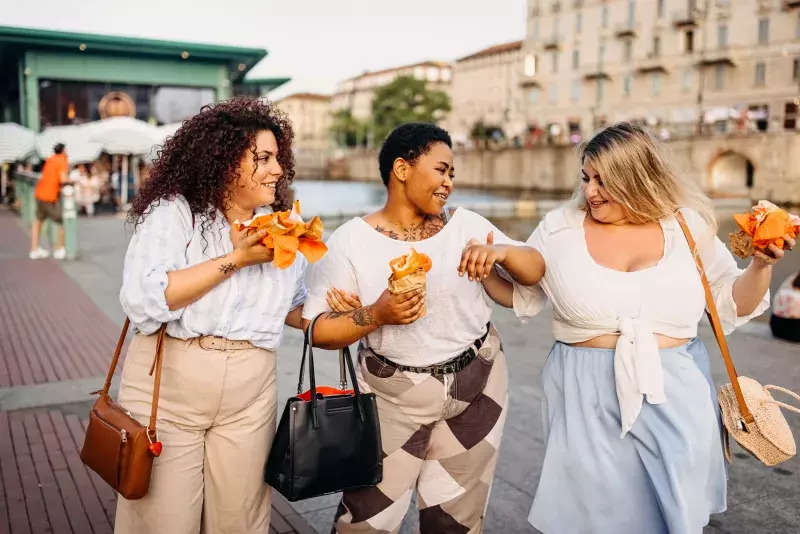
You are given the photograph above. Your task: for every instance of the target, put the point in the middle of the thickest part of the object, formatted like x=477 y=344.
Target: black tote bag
x=328 y=439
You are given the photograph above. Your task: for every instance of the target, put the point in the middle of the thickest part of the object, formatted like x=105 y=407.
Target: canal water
x=337 y=201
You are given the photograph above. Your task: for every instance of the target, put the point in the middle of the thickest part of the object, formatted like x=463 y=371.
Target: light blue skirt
x=667 y=475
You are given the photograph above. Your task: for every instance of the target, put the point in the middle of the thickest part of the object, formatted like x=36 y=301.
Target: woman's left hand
x=762 y=259
x=477 y=260
x=342 y=301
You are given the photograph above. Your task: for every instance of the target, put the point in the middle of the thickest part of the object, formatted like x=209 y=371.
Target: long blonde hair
x=637 y=173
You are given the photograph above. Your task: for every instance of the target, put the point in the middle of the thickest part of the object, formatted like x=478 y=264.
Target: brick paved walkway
x=50 y=331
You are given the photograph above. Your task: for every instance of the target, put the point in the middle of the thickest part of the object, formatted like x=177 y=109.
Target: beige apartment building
x=356 y=94
x=310 y=114
x=486 y=88
x=735 y=63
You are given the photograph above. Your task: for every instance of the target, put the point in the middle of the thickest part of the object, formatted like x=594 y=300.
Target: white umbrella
x=123 y=135
x=16 y=142
x=75 y=138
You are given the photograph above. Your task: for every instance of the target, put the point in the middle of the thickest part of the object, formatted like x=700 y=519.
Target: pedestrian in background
x=48 y=203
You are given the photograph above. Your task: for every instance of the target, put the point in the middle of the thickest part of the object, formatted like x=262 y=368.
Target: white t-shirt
x=457 y=310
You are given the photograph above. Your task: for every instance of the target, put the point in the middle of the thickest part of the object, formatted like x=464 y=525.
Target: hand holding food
x=765 y=232
x=409 y=273
x=287 y=234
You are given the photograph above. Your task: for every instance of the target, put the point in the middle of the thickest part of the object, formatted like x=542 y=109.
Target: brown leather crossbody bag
x=117 y=447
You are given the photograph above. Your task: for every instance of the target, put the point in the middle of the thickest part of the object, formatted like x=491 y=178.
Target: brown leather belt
x=221 y=343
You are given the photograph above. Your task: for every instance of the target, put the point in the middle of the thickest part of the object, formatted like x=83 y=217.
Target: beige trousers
x=216 y=419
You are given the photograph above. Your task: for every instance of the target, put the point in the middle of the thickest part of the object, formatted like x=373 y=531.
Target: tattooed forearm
x=227 y=268
x=361 y=316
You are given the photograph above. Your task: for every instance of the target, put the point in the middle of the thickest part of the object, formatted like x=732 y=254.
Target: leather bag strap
x=158 y=362
x=716 y=325
x=115 y=360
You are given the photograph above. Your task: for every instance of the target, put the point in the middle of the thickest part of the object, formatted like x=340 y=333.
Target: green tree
x=406 y=99
x=347 y=130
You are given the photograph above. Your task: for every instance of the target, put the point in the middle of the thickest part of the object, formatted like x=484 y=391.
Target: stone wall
x=775 y=159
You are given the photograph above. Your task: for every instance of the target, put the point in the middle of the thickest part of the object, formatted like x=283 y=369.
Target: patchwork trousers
x=441 y=437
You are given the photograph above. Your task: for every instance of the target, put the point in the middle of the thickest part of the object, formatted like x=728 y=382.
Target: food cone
x=410 y=283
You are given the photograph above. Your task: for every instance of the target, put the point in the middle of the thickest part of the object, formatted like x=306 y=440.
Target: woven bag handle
x=787 y=392
x=716 y=325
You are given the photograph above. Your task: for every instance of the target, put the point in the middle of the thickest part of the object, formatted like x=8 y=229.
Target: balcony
x=789 y=5
x=551 y=44
x=596 y=72
x=577 y=4
x=652 y=63
x=627 y=30
x=722 y=56
x=530 y=82
x=686 y=19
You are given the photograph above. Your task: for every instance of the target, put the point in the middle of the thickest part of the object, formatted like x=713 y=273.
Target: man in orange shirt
x=48 y=205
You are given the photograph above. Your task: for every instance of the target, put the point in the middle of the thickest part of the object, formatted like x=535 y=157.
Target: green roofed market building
x=54 y=78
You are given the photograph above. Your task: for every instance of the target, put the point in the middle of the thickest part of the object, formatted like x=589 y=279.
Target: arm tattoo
x=227 y=268
x=361 y=317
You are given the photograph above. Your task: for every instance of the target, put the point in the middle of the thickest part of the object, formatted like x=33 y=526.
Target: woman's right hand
x=399 y=309
x=250 y=250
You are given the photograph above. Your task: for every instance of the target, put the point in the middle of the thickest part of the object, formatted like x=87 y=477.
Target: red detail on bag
x=325 y=391
x=155 y=448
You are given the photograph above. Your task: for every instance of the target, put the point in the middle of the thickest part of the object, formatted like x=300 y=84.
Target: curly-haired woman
x=187 y=267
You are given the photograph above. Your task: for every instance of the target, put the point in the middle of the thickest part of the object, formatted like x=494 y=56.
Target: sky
x=315 y=42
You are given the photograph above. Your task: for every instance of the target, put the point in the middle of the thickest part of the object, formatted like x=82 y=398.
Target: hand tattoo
x=227 y=268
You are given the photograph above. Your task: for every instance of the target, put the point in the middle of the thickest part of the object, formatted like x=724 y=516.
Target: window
x=656 y=83
x=604 y=17
x=722 y=35
x=719 y=77
x=689 y=42
x=627 y=85
x=533 y=96
x=575 y=93
x=661 y=9
x=535 y=32
x=576 y=59
x=554 y=60
x=553 y=96
x=600 y=89
x=761 y=73
x=579 y=23
x=601 y=52
x=656 y=46
x=796 y=69
x=555 y=27
x=797 y=27
x=688 y=78
x=763 y=31
x=530 y=65
x=631 y=12
x=627 y=50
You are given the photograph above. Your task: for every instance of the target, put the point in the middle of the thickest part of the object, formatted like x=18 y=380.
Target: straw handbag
x=749 y=412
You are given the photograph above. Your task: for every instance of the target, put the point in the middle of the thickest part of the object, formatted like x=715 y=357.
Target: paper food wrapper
x=410 y=283
x=766 y=224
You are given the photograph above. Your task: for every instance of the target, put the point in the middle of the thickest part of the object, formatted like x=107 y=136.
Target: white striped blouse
x=251 y=305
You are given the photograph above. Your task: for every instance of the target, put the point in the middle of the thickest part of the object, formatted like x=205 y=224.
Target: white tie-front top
x=590 y=300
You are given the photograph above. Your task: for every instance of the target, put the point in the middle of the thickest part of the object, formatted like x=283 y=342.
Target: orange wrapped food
x=409 y=264
x=288 y=234
x=409 y=272
x=765 y=225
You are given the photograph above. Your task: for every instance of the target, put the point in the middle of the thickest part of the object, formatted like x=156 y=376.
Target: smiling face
x=259 y=173
x=429 y=182
x=601 y=206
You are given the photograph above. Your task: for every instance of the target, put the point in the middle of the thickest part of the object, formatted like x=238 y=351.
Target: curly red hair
x=202 y=159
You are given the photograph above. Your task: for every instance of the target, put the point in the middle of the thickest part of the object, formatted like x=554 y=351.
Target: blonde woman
x=633 y=441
